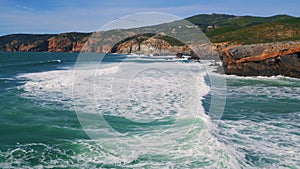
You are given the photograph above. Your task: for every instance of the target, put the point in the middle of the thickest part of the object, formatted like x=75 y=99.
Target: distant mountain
x=221 y=29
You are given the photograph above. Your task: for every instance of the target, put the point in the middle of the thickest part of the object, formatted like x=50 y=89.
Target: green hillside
x=248 y=29
x=262 y=33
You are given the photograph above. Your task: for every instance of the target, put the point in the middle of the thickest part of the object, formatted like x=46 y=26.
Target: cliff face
x=148 y=46
x=145 y=44
x=263 y=59
x=98 y=42
x=66 y=42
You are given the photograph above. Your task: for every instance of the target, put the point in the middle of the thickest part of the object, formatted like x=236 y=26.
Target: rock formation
x=149 y=44
x=66 y=42
x=263 y=59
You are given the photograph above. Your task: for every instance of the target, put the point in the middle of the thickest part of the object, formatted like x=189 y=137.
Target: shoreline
x=266 y=59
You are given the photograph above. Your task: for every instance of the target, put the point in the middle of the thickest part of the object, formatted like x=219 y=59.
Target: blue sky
x=56 y=16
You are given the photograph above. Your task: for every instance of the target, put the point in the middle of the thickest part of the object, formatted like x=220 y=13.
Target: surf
x=170 y=124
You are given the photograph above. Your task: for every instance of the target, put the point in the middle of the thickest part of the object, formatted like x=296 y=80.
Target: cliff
x=65 y=42
x=154 y=44
x=263 y=59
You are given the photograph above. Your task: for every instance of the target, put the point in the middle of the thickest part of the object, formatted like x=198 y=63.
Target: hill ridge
x=221 y=29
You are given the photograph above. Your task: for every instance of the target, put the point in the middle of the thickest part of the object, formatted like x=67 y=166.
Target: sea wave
x=17 y=64
x=163 y=100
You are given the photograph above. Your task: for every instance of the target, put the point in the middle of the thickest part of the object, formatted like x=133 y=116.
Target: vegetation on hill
x=219 y=28
x=262 y=33
x=248 y=29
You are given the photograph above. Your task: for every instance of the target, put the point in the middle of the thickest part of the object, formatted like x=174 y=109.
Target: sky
x=57 y=16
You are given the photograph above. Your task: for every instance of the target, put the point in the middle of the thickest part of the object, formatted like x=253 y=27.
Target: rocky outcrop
x=149 y=44
x=66 y=42
x=263 y=59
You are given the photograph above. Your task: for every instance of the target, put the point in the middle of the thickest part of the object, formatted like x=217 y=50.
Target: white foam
x=273 y=145
x=159 y=91
x=6 y=78
x=267 y=141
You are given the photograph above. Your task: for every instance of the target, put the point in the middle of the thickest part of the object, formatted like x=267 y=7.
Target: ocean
x=142 y=112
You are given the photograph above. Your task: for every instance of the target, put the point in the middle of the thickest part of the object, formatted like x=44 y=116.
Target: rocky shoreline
x=268 y=59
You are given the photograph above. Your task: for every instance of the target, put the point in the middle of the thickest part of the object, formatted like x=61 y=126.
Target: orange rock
x=264 y=56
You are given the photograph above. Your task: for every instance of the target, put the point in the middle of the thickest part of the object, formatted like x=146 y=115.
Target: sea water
x=43 y=95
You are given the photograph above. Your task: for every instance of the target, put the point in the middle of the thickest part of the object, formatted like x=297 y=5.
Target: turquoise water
x=40 y=128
